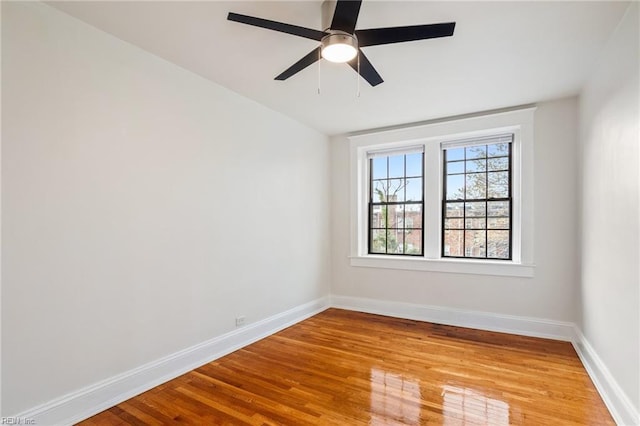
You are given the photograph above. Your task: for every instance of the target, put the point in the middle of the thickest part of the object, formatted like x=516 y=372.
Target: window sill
x=457 y=266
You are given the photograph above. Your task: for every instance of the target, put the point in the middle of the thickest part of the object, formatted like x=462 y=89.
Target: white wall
x=610 y=189
x=549 y=295
x=144 y=207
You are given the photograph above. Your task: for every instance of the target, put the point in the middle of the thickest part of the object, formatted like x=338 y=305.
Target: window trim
x=432 y=136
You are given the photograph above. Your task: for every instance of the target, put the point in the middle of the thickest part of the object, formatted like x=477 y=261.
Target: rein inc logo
x=17 y=421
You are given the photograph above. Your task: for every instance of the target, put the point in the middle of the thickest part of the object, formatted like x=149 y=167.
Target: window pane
x=478 y=151
x=475 y=223
x=453 y=223
x=414 y=165
x=498 y=149
x=455 y=167
x=498 y=223
x=498 y=244
x=379 y=168
x=413 y=216
x=395 y=240
x=395 y=218
x=413 y=241
x=475 y=244
x=378 y=217
x=498 y=184
x=396 y=190
x=453 y=243
x=501 y=163
x=378 y=241
x=474 y=209
x=413 y=189
x=379 y=191
x=455 y=154
x=477 y=165
x=455 y=210
x=498 y=208
x=476 y=186
x=455 y=187
x=396 y=166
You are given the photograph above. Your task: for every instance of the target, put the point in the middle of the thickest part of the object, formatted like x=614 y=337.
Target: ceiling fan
x=341 y=42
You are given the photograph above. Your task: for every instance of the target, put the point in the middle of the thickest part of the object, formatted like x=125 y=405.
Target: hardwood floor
x=348 y=368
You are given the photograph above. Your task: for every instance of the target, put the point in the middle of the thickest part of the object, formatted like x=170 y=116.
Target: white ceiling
x=502 y=54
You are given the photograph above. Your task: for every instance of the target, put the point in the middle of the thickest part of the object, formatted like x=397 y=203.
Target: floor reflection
x=394 y=398
x=462 y=405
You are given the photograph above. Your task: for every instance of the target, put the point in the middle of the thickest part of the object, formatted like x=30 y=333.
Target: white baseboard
x=93 y=399
x=616 y=400
x=523 y=326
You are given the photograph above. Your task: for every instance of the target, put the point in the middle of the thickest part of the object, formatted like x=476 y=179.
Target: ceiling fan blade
x=309 y=59
x=346 y=15
x=277 y=26
x=367 y=71
x=377 y=36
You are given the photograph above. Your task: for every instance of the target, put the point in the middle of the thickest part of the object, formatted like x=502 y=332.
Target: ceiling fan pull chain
x=319 y=61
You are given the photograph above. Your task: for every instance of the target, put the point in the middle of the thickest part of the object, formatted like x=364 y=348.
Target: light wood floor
x=347 y=368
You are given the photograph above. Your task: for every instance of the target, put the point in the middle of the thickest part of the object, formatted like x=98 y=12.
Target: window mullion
x=432 y=201
x=486 y=207
x=386 y=210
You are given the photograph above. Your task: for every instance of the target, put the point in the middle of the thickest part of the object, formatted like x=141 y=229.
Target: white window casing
x=431 y=138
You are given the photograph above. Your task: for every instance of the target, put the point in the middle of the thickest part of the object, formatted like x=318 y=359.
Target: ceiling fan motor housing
x=339 y=46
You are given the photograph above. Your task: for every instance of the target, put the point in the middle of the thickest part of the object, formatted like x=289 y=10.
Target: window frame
x=371 y=204
x=432 y=136
x=465 y=144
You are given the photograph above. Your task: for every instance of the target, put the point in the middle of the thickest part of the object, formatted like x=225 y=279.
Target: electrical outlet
x=240 y=321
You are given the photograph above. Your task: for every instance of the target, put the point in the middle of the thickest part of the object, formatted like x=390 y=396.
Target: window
x=476 y=207
x=450 y=196
x=396 y=202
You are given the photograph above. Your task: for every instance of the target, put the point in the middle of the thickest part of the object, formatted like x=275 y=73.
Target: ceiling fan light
x=339 y=47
